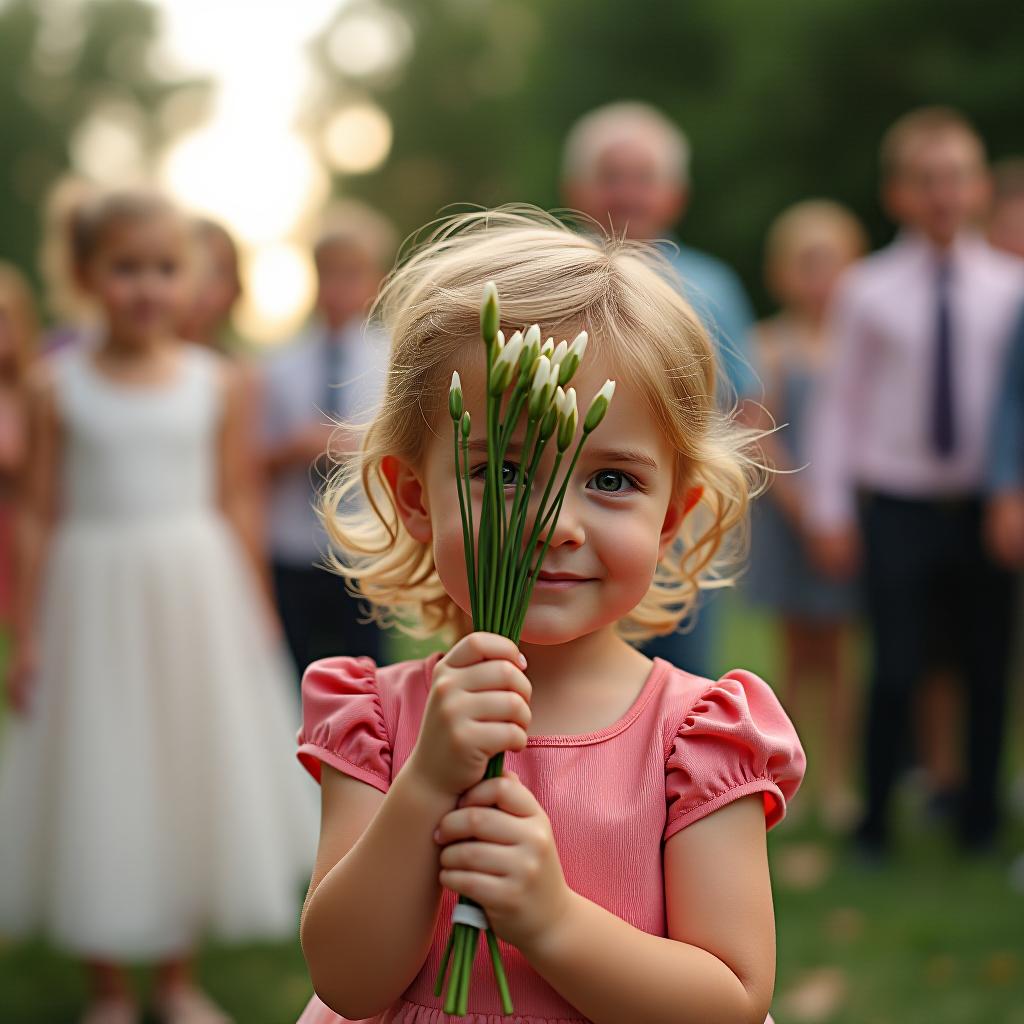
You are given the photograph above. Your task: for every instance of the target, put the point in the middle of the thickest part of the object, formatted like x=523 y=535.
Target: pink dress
x=686 y=747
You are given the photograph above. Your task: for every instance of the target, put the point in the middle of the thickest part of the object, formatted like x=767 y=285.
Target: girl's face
x=618 y=517
x=806 y=276
x=138 y=275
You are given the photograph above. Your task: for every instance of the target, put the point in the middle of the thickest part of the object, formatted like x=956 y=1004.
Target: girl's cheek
x=450 y=560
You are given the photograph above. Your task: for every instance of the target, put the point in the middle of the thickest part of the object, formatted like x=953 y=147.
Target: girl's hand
x=478 y=706
x=499 y=851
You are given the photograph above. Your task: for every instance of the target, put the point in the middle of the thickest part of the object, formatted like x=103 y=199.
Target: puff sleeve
x=735 y=740
x=343 y=723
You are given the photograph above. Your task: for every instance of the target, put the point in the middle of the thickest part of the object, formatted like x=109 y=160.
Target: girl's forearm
x=612 y=972
x=368 y=926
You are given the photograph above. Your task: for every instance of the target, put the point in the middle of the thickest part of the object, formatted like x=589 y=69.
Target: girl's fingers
x=499 y=706
x=506 y=793
x=483 y=889
x=495 y=675
x=494 y=737
x=484 y=823
x=481 y=646
x=485 y=858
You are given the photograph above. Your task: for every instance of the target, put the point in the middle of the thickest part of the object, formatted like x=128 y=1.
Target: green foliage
x=781 y=100
x=55 y=68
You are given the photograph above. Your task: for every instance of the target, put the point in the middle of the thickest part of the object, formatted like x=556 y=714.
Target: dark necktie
x=943 y=424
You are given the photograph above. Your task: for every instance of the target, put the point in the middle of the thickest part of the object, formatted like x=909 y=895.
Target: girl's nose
x=568 y=528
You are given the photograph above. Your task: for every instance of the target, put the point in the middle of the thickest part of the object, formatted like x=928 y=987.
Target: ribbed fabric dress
x=685 y=748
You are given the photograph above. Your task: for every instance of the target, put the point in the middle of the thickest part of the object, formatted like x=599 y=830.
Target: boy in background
x=334 y=370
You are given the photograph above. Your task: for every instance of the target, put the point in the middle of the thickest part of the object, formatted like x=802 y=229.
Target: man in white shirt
x=334 y=370
x=898 y=438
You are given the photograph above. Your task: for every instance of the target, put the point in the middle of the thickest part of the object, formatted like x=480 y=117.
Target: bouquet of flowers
x=527 y=378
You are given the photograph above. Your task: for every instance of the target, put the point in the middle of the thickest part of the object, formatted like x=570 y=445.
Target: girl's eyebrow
x=635 y=456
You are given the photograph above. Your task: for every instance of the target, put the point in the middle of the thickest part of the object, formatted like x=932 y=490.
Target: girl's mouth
x=560 y=581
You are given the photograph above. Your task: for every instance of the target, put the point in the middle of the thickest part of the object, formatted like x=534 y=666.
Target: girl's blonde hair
x=624 y=294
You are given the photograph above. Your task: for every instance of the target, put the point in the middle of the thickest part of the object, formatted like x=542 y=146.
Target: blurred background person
x=899 y=428
x=19 y=336
x=216 y=286
x=147 y=790
x=808 y=246
x=332 y=372
x=627 y=166
x=73 y=317
x=1006 y=219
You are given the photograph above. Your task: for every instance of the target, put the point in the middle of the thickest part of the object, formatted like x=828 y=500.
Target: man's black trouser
x=930 y=586
x=320 y=617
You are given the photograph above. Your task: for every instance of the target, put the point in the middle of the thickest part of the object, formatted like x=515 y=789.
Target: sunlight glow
x=358 y=138
x=280 y=284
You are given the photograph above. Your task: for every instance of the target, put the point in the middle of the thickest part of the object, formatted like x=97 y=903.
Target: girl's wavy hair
x=627 y=297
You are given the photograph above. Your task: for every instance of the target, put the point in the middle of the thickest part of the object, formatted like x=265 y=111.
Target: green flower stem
x=471 y=563
x=557 y=508
x=467 y=528
x=512 y=539
x=499 y=973
x=511 y=568
x=497 y=503
x=454 y=978
x=439 y=983
x=522 y=569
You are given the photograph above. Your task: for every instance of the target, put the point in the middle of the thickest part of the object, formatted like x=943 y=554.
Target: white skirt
x=152 y=795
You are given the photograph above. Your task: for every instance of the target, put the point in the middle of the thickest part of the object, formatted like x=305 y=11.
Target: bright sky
x=249 y=165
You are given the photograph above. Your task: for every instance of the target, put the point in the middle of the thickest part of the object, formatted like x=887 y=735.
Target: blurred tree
x=781 y=101
x=77 y=84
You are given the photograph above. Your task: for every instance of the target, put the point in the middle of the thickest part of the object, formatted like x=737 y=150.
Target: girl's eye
x=612 y=481
x=509 y=473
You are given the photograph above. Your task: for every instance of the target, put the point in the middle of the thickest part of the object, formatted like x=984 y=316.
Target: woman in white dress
x=148 y=793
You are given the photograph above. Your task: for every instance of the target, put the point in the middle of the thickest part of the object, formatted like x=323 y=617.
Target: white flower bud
x=455 y=397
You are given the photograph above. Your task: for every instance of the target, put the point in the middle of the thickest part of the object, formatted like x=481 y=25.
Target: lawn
x=928 y=939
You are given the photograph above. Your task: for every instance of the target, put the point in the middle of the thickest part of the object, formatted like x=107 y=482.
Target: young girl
x=145 y=788
x=621 y=858
x=807 y=249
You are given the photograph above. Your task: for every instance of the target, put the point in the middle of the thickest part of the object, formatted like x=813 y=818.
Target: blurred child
x=626 y=165
x=19 y=330
x=1006 y=218
x=898 y=457
x=621 y=858
x=216 y=287
x=72 y=311
x=808 y=247
x=145 y=789
x=333 y=371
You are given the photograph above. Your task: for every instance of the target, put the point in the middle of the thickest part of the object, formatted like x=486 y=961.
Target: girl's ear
x=410 y=497
x=679 y=508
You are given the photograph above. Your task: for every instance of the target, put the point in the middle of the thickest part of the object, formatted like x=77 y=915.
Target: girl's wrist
x=547 y=944
x=421 y=793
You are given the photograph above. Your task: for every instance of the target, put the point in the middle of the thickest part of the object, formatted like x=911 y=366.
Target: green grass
x=928 y=939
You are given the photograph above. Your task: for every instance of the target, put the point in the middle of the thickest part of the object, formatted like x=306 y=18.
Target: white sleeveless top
x=133 y=452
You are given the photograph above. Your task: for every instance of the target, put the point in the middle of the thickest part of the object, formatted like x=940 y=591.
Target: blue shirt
x=717 y=295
